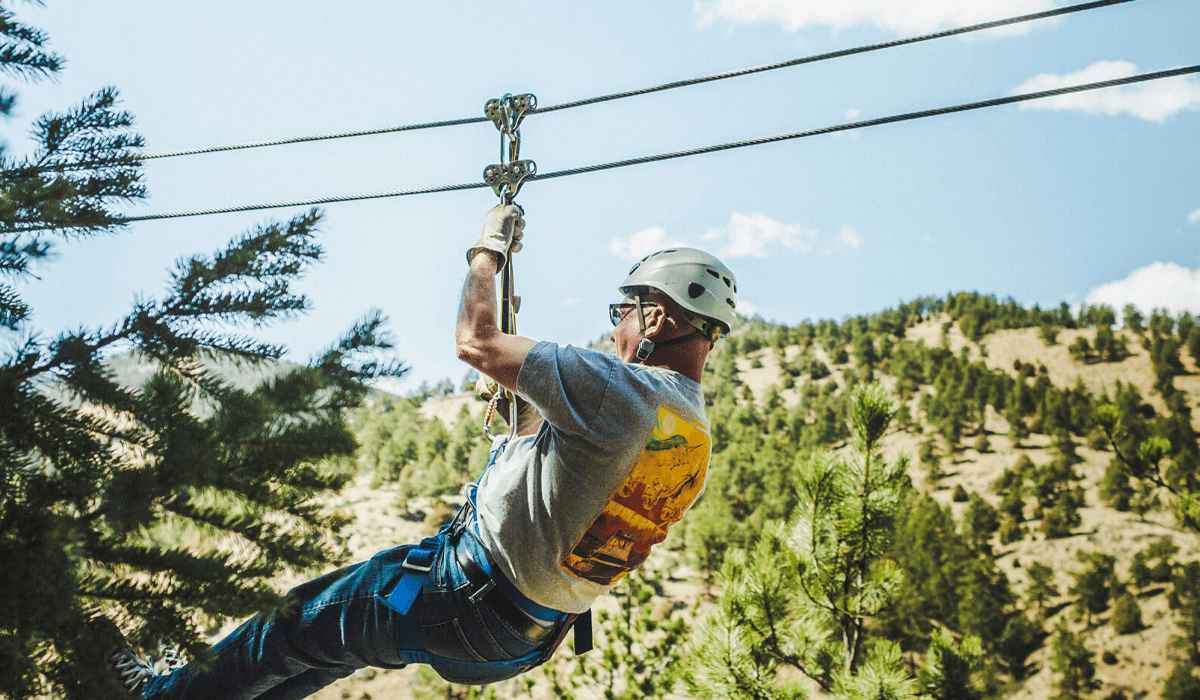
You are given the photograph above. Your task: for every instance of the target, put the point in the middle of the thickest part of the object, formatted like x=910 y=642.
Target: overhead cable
x=1095 y=4
x=837 y=54
x=995 y=102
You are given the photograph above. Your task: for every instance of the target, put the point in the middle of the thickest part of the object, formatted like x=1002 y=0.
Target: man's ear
x=656 y=321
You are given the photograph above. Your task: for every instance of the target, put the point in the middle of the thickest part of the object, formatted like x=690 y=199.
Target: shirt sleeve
x=568 y=385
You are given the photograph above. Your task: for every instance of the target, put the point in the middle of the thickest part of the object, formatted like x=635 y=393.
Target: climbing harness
x=505 y=179
x=490 y=584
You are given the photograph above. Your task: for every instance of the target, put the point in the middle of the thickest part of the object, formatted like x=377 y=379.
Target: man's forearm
x=478 y=339
x=477 y=317
x=477 y=307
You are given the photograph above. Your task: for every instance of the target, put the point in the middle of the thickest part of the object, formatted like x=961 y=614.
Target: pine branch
x=21 y=51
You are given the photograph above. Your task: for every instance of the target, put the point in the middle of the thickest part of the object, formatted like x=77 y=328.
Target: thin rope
x=995 y=102
x=835 y=54
x=1070 y=9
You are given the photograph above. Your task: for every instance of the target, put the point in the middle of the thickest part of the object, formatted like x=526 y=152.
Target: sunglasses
x=618 y=312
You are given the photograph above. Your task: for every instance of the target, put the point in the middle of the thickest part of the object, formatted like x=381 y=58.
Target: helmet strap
x=645 y=346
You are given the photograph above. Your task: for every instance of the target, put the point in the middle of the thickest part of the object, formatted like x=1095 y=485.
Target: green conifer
x=1072 y=663
x=801 y=598
x=100 y=476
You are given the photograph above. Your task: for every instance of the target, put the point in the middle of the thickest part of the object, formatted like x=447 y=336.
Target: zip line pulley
x=505 y=179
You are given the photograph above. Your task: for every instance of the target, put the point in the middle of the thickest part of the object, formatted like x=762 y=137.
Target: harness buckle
x=483 y=590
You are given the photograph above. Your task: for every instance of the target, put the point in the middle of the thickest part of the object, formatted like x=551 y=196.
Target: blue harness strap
x=419 y=561
x=416 y=567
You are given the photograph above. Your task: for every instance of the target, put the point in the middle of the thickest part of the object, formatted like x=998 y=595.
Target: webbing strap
x=416 y=567
x=583 y=632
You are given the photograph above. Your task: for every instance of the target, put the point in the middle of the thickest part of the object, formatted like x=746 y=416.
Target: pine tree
x=1142 y=456
x=1040 y=589
x=638 y=648
x=1185 y=599
x=1182 y=684
x=1072 y=662
x=980 y=521
x=1127 y=614
x=171 y=503
x=801 y=598
x=949 y=671
x=1093 y=586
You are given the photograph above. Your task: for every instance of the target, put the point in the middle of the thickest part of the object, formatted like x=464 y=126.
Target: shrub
x=1097 y=440
x=1058 y=521
x=1109 y=658
x=982 y=444
x=1010 y=530
x=960 y=494
x=1127 y=615
x=1182 y=684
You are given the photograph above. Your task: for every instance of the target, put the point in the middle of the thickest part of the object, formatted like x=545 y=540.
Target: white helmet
x=701 y=284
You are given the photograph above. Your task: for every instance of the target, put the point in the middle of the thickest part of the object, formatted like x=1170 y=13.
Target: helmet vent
x=731 y=304
x=695 y=290
x=714 y=273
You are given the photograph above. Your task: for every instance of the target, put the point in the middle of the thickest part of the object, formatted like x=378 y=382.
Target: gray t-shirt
x=622 y=455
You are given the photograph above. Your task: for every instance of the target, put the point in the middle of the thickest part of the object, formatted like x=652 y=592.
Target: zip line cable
x=1070 y=9
x=837 y=54
x=995 y=102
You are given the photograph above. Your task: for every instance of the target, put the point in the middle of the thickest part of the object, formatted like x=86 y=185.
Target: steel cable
x=836 y=54
x=1070 y=9
x=995 y=102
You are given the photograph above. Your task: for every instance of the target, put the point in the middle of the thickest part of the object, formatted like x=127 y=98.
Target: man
x=557 y=518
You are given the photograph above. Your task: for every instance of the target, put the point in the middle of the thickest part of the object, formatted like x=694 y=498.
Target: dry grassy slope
x=1144 y=658
x=447 y=408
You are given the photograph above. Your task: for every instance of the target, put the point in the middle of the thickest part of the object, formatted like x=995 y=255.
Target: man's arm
x=478 y=338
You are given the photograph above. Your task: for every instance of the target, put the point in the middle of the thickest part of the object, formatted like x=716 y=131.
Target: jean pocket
x=448 y=640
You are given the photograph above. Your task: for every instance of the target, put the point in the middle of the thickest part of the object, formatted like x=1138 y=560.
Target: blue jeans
x=340 y=622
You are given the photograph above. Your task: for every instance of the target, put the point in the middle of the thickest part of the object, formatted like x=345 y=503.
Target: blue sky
x=1093 y=198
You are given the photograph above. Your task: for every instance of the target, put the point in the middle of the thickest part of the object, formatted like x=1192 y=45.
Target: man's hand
x=503 y=230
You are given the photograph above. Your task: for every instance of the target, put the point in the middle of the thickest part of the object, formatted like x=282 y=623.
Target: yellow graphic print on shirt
x=665 y=480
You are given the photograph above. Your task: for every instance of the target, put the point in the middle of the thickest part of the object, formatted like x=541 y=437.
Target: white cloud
x=1156 y=286
x=847 y=239
x=853 y=114
x=642 y=243
x=1194 y=217
x=1153 y=101
x=757 y=235
x=572 y=301
x=909 y=17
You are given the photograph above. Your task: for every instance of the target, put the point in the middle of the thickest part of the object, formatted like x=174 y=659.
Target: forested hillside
x=1036 y=536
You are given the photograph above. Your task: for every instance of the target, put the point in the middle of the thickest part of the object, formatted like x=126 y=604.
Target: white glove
x=503 y=230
